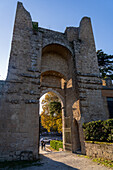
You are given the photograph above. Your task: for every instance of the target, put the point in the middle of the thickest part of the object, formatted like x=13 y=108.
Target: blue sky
x=57 y=15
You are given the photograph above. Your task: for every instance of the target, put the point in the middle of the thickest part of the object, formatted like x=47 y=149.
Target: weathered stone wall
x=89 y=83
x=43 y=60
x=19 y=103
x=100 y=150
x=2 y=83
x=54 y=62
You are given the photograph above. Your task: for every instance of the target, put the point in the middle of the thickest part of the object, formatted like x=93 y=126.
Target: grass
x=19 y=164
x=107 y=163
x=104 y=162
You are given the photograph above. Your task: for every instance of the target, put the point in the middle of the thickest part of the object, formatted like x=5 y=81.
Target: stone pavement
x=65 y=161
x=44 y=151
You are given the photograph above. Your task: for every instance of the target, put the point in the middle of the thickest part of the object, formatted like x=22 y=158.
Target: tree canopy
x=51 y=116
x=105 y=63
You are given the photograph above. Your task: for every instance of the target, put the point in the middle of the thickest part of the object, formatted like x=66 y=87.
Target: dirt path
x=66 y=161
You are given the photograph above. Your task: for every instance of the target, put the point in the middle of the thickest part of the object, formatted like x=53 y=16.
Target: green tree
x=51 y=116
x=105 y=63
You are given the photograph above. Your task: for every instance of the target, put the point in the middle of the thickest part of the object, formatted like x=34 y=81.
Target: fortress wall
x=74 y=58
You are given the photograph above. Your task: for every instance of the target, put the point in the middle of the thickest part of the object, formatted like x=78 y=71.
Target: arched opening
x=76 y=138
x=57 y=75
x=58 y=58
x=51 y=119
x=52 y=79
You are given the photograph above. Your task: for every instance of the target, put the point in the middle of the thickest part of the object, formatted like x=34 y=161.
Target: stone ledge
x=107 y=88
x=88 y=75
x=31 y=101
x=30 y=76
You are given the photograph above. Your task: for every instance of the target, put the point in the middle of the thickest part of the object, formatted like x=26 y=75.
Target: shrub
x=35 y=26
x=56 y=144
x=99 y=130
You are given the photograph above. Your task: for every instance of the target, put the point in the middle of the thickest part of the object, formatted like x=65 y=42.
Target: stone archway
x=42 y=59
x=56 y=75
x=52 y=90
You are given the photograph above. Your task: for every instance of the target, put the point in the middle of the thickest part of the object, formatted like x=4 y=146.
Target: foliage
x=56 y=144
x=51 y=116
x=105 y=62
x=35 y=26
x=55 y=107
x=99 y=130
x=42 y=129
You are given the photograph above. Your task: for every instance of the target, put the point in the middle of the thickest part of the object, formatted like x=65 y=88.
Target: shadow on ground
x=42 y=163
x=50 y=164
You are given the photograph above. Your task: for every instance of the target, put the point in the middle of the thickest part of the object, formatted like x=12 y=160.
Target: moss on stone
x=96 y=142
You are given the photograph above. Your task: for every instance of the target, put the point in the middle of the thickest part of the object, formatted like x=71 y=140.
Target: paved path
x=44 y=151
x=65 y=161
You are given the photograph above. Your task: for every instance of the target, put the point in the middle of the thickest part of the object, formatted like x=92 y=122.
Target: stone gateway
x=41 y=61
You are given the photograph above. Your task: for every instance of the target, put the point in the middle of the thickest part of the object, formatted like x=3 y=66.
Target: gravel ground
x=65 y=161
